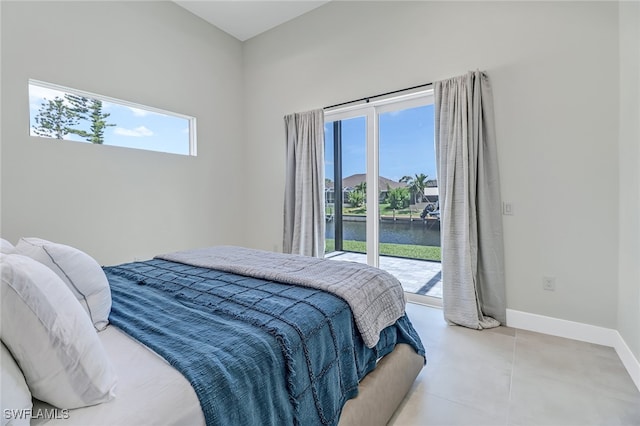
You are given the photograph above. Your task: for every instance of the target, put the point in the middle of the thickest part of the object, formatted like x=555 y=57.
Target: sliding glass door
x=381 y=189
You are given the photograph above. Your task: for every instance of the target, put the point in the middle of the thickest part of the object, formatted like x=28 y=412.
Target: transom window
x=62 y=113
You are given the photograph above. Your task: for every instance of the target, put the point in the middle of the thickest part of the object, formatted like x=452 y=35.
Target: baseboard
x=578 y=331
x=629 y=361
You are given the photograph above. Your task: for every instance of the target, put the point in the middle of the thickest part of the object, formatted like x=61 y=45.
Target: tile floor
x=417 y=276
x=507 y=376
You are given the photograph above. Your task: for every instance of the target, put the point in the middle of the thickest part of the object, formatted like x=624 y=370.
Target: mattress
x=149 y=390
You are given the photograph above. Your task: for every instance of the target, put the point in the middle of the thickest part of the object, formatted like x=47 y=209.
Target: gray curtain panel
x=470 y=203
x=304 y=224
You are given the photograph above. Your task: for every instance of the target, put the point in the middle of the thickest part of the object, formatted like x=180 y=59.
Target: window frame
x=120 y=102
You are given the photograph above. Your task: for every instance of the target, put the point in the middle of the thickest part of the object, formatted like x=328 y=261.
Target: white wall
x=554 y=69
x=629 y=264
x=118 y=203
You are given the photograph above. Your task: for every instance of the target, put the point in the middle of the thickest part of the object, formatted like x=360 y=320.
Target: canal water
x=398 y=232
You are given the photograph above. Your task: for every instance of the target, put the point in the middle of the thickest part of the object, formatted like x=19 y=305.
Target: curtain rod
x=368 y=98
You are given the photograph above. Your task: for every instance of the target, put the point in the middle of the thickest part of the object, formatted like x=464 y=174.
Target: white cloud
x=137 y=132
x=39 y=92
x=139 y=112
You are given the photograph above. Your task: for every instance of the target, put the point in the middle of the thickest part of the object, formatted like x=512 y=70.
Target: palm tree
x=417 y=184
x=362 y=187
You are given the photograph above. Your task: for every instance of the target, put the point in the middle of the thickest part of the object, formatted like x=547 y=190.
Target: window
x=62 y=113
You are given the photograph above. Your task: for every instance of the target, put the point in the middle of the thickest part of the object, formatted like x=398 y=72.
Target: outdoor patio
x=417 y=276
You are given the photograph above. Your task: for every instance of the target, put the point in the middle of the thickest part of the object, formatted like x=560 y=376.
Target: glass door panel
x=409 y=226
x=346 y=201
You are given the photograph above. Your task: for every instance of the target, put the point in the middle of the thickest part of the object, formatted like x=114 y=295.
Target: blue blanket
x=256 y=352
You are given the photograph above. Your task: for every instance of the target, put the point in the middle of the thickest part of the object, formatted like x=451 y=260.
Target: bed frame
x=383 y=389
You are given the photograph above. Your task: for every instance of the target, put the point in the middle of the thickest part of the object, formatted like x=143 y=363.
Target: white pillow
x=6 y=247
x=51 y=338
x=79 y=271
x=14 y=395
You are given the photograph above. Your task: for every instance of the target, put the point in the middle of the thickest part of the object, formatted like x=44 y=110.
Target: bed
x=229 y=335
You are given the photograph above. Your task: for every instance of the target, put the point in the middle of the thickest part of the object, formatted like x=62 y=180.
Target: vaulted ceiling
x=244 y=19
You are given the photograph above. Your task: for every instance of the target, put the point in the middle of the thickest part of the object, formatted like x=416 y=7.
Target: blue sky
x=135 y=127
x=406 y=144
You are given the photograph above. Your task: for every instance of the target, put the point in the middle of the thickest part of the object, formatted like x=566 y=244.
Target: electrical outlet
x=549 y=283
x=507 y=208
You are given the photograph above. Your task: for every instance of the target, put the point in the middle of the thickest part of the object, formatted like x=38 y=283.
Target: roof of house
x=354 y=180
